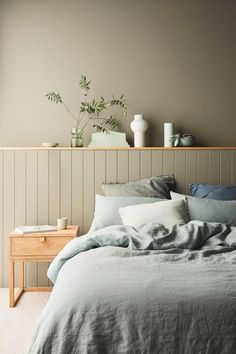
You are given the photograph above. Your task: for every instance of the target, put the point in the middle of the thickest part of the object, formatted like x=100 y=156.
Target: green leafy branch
x=56 y=98
x=90 y=110
x=84 y=84
x=111 y=122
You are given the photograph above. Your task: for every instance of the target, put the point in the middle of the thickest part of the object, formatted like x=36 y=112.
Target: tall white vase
x=139 y=126
x=168 y=131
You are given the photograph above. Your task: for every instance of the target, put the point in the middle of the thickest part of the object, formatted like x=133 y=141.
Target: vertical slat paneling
x=1 y=219
x=214 y=167
x=54 y=190
x=191 y=168
x=43 y=203
x=36 y=186
x=100 y=170
x=8 y=207
x=225 y=167
x=111 y=166
x=145 y=163
x=66 y=185
x=54 y=186
x=157 y=163
x=134 y=165
x=180 y=171
x=77 y=188
x=20 y=192
x=20 y=188
x=88 y=189
x=168 y=162
x=32 y=208
x=203 y=166
x=233 y=168
x=123 y=166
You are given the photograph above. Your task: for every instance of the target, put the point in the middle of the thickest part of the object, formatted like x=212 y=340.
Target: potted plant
x=91 y=110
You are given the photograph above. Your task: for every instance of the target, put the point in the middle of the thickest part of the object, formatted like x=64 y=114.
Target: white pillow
x=167 y=213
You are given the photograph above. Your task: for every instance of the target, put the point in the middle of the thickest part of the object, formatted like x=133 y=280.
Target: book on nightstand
x=34 y=229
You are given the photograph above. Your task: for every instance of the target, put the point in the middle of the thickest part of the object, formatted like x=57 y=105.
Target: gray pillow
x=153 y=187
x=209 y=210
x=107 y=209
x=213 y=191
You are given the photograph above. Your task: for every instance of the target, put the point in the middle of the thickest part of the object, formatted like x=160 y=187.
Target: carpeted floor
x=17 y=324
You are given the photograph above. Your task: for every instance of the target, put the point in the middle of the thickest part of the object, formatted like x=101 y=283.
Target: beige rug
x=17 y=324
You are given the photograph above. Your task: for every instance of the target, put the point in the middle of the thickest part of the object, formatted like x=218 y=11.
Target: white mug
x=62 y=223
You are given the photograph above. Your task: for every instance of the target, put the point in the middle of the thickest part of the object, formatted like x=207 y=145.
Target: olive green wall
x=174 y=60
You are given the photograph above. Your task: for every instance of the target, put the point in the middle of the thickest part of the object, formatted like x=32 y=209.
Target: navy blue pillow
x=212 y=191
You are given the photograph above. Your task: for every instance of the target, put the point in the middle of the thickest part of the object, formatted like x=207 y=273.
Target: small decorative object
x=90 y=111
x=176 y=139
x=112 y=139
x=168 y=132
x=182 y=140
x=62 y=223
x=76 y=139
x=187 y=140
x=139 y=126
x=50 y=144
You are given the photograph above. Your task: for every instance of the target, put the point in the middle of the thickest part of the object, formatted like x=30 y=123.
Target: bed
x=150 y=288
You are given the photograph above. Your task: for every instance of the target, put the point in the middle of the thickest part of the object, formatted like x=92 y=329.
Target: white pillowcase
x=169 y=212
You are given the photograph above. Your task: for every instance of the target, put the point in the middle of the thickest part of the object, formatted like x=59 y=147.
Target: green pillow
x=209 y=210
x=107 y=209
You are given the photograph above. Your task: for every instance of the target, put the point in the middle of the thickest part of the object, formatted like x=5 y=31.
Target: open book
x=34 y=229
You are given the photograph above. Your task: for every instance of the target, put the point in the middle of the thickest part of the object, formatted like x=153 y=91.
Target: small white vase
x=139 y=126
x=168 y=132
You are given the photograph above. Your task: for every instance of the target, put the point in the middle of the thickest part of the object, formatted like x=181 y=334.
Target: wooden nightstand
x=38 y=247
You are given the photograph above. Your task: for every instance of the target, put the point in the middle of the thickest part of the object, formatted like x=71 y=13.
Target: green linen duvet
x=154 y=289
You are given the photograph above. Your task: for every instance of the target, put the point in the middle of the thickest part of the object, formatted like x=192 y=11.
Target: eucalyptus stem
x=79 y=121
x=97 y=118
x=84 y=126
x=72 y=115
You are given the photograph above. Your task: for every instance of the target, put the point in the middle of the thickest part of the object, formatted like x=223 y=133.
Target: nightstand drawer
x=38 y=246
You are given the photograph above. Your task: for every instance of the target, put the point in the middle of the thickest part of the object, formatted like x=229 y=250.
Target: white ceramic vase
x=168 y=132
x=139 y=126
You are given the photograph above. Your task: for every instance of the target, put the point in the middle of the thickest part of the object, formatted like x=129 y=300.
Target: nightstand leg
x=22 y=275
x=11 y=283
x=12 y=299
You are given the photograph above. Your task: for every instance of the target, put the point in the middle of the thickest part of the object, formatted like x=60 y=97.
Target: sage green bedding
x=154 y=289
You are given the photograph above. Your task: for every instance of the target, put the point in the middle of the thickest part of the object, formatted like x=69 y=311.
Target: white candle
x=168 y=131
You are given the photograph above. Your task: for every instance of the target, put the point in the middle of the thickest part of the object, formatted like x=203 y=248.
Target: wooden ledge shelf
x=161 y=148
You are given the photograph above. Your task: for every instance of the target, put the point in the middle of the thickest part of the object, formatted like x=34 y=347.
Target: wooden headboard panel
x=37 y=185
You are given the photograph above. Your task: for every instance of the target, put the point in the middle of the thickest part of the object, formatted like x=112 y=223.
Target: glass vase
x=76 y=139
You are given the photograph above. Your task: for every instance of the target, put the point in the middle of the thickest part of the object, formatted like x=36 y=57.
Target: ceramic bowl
x=187 y=140
x=49 y=144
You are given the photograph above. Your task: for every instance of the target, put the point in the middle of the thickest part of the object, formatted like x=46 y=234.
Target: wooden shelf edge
x=5 y=148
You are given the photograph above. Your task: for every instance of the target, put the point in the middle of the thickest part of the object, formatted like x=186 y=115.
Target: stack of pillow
x=148 y=201
x=210 y=203
x=123 y=203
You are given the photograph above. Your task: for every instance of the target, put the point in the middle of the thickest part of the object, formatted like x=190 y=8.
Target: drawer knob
x=42 y=239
